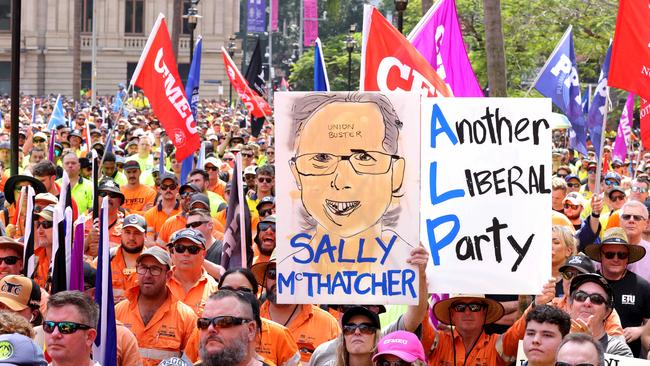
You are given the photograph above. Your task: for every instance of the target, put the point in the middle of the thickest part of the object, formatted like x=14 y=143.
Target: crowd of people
x=175 y=304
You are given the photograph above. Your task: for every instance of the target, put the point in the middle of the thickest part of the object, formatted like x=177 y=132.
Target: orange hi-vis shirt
x=489 y=350
x=137 y=198
x=178 y=222
x=275 y=344
x=311 y=327
x=114 y=229
x=42 y=271
x=167 y=333
x=156 y=217
x=218 y=188
x=123 y=278
x=196 y=297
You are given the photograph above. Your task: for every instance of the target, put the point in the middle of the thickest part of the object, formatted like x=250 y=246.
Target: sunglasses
x=43 y=224
x=610 y=183
x=559 y=363
x=64 y=327
x=639 y=190
x=211 y=168
x=383 y=362
x=628 y=217
x=265 y=180
x=474 y=307
x=561 y=175
x=581 y=296
x=617 y=198
x=270 y=273
x=9 y=260
x=38 y=141
x=620 y=255
x=195 y=224
x=568 y=275
x=227 y=159
x=187 y=194
x=238 y=289
x=266 y=212
x=364 y=328
x=221 y=322
x=192 y=249
x=573 y=185
x=109 y=194
x=155 y=271
x=591 y=171
x=247 y=155
x=569 y=206
x=263 y=226
x=171 y=187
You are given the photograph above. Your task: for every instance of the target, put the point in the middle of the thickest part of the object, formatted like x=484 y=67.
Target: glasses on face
x=561 y=175
x=187 y=194
x=474 y=307
x=639 y=189
x=211 y=168
x=43 y=224
x=364 y=328
x=270 y=152
x=171 y=187
x=192 y=249
x=573 y=185
x=270 y=273
x=618 y=198
x=363 y=162
x=266 y=225
x=559 y=363
x=246 y=155
x=109 y=194
x=581 y=296
x=64 y=327
x=628 y=217
x=195 y=224
x=620 y=255
x=264 y=180
x=384 y=362
x=265 y=212
x=227 y=159
x=9 y=260
x=610 y=183
x=238 y=289
x=221 y=322
x=570 y=206
x=569 y=274
x=591 y=171
x=38 y=141
x=154 y=270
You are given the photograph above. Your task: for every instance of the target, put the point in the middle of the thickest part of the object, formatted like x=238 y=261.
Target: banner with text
x=486 y=194
x=350 y=202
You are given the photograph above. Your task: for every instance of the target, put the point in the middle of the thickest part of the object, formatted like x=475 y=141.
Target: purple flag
x=439 y=39
x=77 y=261
x=50 y=153
x=310 y=22
x=624 y=130
x=256 y=16
x=274 y=15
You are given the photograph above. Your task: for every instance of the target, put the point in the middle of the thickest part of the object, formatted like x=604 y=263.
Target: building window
x=183 y=72
x=86 y=75
x=5 y=15
x=134 y=19
x=186 y=6
x=5 y=77
x=87 y=16
x=130 y=69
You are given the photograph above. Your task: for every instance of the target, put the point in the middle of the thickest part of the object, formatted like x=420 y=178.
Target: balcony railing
x=132 y=42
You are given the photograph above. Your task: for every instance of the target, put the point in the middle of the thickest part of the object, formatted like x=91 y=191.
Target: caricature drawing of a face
x=346 y=176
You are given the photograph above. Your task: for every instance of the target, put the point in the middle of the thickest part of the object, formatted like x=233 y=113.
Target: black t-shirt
x=214 y=253
x=632 y=303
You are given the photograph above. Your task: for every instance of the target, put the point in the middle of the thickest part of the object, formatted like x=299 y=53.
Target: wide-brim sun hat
x=442 y=308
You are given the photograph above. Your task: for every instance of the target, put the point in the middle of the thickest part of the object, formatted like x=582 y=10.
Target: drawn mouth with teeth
x=342 y=208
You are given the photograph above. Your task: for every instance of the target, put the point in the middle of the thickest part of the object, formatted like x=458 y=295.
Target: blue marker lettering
x=295 y=244
x=357 y=284
x=436 y=115
x=324 y=248
x=433 y=190
x=436 y=246
x=360 y=257
x=386 y=248
x=288 y=281
x=341 y=258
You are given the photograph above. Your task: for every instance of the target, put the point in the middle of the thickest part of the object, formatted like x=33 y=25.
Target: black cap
x=200 y=198
x=166 y=176
x=266 y=199
x=85 y=163
x=130 y=164
x=360 y=310
x=191 y=234
x=581 y=263
x=579 y=280
x=186 y=186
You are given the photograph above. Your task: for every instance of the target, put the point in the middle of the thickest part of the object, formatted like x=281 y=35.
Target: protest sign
x=486 y=194
x=349 y=198
x=610 y=360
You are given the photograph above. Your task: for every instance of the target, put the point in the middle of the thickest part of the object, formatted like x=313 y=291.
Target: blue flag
x=194 y=77
x=58 y=115
x=321 y=83
x=559 y=81
x=597 y=109
x=186 y=168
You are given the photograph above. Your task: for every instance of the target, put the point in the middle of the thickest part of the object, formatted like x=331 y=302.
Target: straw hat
x=259 y=269
x=442 y=309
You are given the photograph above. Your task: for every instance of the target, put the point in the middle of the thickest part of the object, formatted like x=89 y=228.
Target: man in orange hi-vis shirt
x=161 y=323
x=138 y=197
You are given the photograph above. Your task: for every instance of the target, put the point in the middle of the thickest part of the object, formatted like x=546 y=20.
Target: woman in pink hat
x=399 y=348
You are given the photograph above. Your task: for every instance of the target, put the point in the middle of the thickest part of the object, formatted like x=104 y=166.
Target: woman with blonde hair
x=564 y=245
x=358 y=340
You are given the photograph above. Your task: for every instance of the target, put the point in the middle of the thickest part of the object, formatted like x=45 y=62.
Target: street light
x=192 y=17
x=231 y=51
x=400 y=7
x=350 y=44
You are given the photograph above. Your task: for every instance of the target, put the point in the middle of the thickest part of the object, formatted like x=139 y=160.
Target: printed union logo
x=575 y=260
x=6 y=350
x=133 y=219
x=179 y=137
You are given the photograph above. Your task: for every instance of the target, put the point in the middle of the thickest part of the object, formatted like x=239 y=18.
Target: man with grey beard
x=228 y=330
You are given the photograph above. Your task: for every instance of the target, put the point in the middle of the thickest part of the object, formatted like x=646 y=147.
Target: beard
x=573 y=216
x=133 y=250
x=231 y=354
x=272 y=294
x=265 y=251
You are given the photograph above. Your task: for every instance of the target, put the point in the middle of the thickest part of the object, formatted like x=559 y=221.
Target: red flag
x=157 y=75
x=630 y=64
x=390 y=62
x=255 y=104
x=644 y=112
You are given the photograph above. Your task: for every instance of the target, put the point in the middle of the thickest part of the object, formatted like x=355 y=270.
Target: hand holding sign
x=548 y=293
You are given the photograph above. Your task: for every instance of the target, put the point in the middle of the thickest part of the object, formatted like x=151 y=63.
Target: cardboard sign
x=347 y=169
x=486 y=187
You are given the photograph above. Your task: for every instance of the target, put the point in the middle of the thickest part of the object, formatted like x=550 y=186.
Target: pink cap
x=402 y=344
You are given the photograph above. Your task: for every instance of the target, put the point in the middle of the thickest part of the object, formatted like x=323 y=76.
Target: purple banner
x=256 y=16
x=624 y=130
x=310 y=14
x=77 y=262
x=274 y=15
x=439 y=39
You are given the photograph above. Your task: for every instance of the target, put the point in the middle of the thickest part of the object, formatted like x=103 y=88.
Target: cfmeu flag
x=597 y=109
x=29 y=261
x=157 y=74
x=390 y=62
x=237 y=243
x=58 y=115
x=439 y=39
x=559 y=81
x=105 y=347
x=255 y=104
x=630 y=67
x=321 y=82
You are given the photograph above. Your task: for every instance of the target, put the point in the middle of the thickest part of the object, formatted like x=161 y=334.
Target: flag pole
x=242 y=202
x=599 y=167
x=550 y=57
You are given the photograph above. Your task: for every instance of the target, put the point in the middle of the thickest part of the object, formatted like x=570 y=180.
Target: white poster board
x=347 y=197
x=486 y=194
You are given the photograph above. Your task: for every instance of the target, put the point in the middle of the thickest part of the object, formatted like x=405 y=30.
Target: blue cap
x=571 y=176
x=17 y=349
x=613 y=175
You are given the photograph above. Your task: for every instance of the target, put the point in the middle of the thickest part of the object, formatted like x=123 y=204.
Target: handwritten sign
x=348 y=197
x=486 y=205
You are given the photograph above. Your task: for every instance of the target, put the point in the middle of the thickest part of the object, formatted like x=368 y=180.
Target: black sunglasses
x=581 y=296
x=263 y=226
x=195 y=224
x=9 y=260
x=109 y=194
x=266 y=212
x=474 y=307
x=211 y=168
x=221 y=322
x=620 y=255
x=238 y=289
x=264 y=180
x=192 y=249
x=64 y=327
x=364 y=328
x=164 y=187
x=44 y=224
